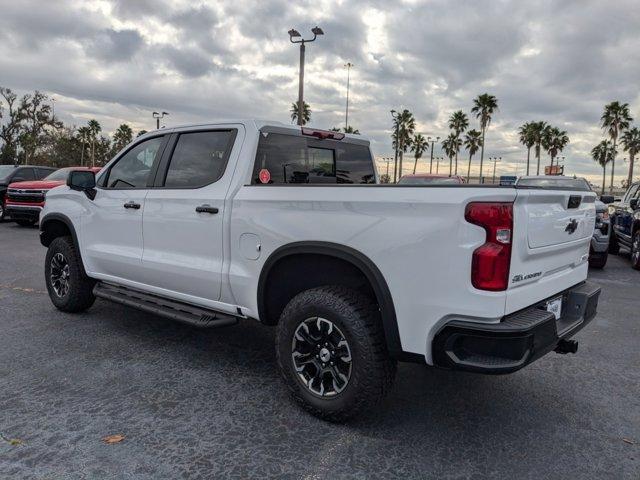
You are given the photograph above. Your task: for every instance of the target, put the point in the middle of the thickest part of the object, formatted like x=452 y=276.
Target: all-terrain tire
x=614 y=246
x=598 y=260
x=79 y=293
x=357 y=317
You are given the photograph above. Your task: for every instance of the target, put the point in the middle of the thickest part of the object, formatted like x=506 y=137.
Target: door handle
x=133 y=205
x=206 y=209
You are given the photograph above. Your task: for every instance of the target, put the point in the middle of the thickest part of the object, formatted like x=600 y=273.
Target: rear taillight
x=491 y=261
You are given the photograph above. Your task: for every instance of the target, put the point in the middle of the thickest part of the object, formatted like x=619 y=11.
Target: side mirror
x=607 y=199
x=633 y=203
x=83 y=181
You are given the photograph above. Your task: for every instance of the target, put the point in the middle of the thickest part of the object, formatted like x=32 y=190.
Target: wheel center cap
x=325 y=355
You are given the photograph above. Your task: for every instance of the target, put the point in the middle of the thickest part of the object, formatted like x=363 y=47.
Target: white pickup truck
x=208 y=224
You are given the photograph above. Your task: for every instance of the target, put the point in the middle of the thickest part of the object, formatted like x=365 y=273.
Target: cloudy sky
x=119 y=60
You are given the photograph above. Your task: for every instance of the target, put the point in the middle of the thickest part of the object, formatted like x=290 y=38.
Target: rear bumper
x=23 y=212
x=519 y=339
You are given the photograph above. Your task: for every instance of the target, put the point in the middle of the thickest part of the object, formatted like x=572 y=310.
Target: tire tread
x=80 y=296
x=368 y=333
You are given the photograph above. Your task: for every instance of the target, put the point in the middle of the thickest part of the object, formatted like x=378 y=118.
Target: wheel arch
x=332 y=252
x=54 y=225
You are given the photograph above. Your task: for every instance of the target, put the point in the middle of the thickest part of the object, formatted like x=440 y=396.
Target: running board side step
x=172 y=309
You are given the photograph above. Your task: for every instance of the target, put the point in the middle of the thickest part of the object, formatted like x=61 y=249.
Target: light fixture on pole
x=293 y=33
x=158 y=116
x=348 y=66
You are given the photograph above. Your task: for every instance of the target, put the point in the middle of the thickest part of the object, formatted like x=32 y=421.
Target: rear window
x=296 y=159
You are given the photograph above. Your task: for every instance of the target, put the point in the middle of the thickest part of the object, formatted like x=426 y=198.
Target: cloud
x=115 y=45
x=553 y=60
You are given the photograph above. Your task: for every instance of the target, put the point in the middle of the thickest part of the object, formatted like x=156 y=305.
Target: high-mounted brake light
x=491 y=261
x=322 y=134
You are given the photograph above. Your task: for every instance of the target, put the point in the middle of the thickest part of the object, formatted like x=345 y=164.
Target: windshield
x=59 y=175
x=5 y=171
x=429 y=181
x=554 y=182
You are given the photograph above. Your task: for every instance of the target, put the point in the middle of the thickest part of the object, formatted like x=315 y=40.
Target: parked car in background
x=430 y=179
x=25 y=199
x=11 y=173
x=625 y=221
x=599 y=250
x=206 y=224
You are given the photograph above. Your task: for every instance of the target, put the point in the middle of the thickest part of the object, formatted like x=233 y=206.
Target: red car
x=429 y=179
x=25 y=199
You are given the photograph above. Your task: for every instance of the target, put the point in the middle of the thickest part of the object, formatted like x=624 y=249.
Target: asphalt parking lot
x=209 y=404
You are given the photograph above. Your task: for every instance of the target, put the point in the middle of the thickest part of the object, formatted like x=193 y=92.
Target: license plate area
x=555 y=306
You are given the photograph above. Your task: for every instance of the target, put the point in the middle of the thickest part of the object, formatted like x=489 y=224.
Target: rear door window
x=293 y=159
x=199 y=158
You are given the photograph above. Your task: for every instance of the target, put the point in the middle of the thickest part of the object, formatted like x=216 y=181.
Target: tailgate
x=551 y=236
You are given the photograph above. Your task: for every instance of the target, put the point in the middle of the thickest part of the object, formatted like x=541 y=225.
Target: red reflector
x=491 y=261
x=322 y=134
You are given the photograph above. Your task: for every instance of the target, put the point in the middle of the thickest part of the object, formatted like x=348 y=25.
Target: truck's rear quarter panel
x=417 y=237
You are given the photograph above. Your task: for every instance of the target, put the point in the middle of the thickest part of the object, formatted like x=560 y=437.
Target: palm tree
x=306 y=112
x=472 y=142
x=418 y=146
x=122 y=137
x=84 y=135
x=538 y=132
x=554 y=141
x=484 y=106
x=614 y=120
x=527 y=138
x=630 y=140
x=458 y=122
x=94 y=130
x=603 y=154
x=406 y=126
x=451 y=145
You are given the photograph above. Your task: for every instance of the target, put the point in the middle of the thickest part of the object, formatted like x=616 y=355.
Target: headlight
x=602 y=216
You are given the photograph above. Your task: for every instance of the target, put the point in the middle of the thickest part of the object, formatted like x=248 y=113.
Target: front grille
x=25 y=196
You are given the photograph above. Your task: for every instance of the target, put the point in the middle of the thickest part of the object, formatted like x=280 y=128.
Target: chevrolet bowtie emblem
x=572 y=226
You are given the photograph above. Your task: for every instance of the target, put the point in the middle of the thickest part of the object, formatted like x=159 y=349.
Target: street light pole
x=158 y=116
x=395 y=161
x=348 y=66
x=293 y=33
x=433 y=142
x=495 y=160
